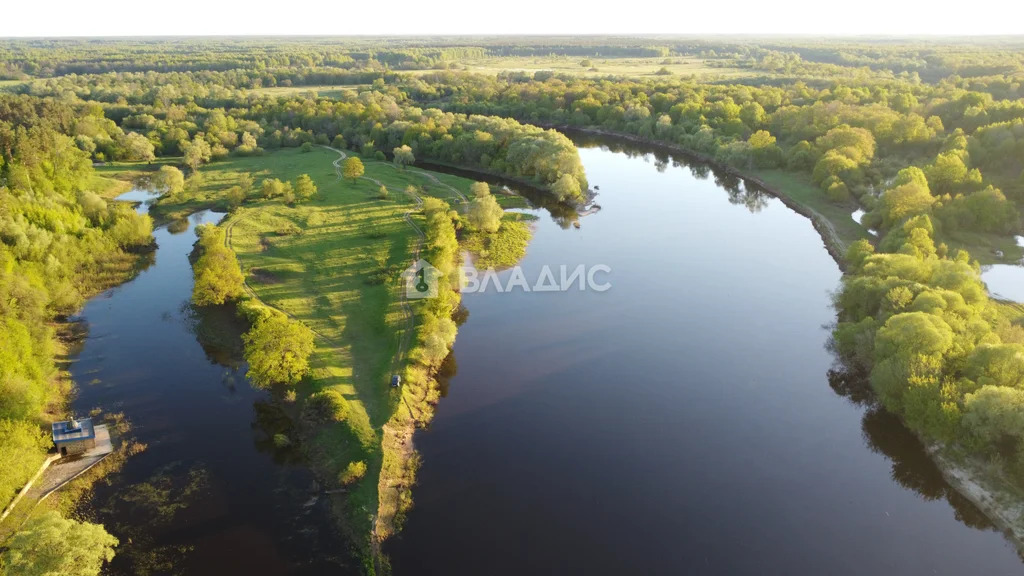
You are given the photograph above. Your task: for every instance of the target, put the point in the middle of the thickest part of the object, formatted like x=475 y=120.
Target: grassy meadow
x=333 y=263
x=322 y=90
x=597 y=66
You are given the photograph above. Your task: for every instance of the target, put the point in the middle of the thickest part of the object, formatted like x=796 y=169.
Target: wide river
x=211 y=494
x=688 y=420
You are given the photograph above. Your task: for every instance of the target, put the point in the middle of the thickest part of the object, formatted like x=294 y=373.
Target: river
x=211 y=494
x=1006 y=281
x=686 y=421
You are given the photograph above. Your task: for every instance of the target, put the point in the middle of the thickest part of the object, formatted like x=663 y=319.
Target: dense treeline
x=373 y=121
x=218 y=276
x=171 y=114
x=851 y=139
x=50 y=58
x=937 y=351
x=60 y=242
x=435 y=331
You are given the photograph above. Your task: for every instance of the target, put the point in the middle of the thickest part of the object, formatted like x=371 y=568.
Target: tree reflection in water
x=912 y=467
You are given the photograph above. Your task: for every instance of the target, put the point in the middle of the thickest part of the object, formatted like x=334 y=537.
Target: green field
x=325 y=91
x=8 y=85
x=313 y=261
x=628 y=67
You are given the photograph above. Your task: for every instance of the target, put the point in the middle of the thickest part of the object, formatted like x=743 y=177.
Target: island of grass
x=334 y=263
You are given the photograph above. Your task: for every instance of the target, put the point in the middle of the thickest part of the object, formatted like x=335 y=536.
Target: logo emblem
x=421 y=280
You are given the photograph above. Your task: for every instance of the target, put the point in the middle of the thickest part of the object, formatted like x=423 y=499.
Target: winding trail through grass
x=397 y=437
x=403 y=343
x=228 y=228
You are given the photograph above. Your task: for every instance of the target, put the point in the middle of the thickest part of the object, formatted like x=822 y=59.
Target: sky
x=405 y=17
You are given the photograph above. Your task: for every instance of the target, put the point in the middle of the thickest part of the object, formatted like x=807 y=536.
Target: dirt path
x=403 y=344
x=395 y=438
x=436 y=180
x=228 y=229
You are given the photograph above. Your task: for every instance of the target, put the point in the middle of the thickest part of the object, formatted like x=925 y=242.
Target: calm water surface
x=211 y=494
x=1006 y=280
x=686 y=421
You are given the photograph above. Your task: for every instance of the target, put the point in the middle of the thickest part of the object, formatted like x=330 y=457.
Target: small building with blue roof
x=74 y=436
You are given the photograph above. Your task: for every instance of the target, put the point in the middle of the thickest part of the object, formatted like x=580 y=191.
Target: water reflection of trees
x=177 y=226
x=146 y=515
x=274 y=432
x=912 y=467
x=218 y=329
x=741 y=193
x=445 y=373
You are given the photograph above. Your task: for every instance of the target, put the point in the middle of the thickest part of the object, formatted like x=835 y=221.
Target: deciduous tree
x=277 y=350
x=49 y=545
x=485 y=214
x=352 y=169
x=403 y=156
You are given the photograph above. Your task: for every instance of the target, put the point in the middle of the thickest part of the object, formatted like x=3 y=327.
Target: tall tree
x=277 y=350
x=352 y=169
x=169 y=180
x=485 y=214
x=49 y=545
x=196 y=152
x=480 y=189
x=218 y=276
x=305 y=188
x=567 y=189
x=403 y=156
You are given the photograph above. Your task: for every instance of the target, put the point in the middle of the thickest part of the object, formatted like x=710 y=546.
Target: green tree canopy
x=271 y=188
x=196 y=151
x=909 y=197
x=485 y=214
x=352 y=169
x=277 y=350
x=567 y=189
x=305 y=188
x=403 y=156
x=479 y=189
x=22 y=450
x=169 y=180
x=50 y=545
x=218 y=276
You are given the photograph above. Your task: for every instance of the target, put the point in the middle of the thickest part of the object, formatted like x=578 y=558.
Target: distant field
x=321 y=90
x=633 y=67
x=6 y=85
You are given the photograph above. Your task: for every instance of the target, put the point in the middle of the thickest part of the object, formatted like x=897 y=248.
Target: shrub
x=352 y=473
x=325 y=407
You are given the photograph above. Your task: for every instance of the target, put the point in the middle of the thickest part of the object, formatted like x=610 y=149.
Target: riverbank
x=66 y=336
x=985 y=486
x=837 y=229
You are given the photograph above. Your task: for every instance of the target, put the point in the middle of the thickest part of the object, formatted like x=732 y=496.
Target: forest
x=61 y=242
x=926 y=137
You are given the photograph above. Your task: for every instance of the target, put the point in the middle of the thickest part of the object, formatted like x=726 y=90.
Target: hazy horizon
x=876 y=18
